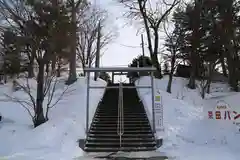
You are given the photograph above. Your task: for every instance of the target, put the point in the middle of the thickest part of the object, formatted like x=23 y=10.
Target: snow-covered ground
x=57 y=138
x=189 y=134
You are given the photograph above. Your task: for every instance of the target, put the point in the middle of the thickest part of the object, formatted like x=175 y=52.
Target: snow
x=55 y=139
x=189 y=134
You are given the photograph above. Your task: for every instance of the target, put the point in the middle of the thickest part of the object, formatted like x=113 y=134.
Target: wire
x=129 y=46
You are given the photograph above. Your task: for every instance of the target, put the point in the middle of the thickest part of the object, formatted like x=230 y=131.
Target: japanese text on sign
x=226 y=115
x=158 y=108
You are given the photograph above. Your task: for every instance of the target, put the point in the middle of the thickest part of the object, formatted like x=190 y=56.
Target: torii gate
x=121 y=71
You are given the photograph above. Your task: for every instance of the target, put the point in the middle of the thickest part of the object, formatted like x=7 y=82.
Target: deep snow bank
x=188 y=133
x=57 y=138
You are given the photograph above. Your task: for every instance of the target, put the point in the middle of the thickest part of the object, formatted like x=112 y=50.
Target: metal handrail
x=122 y=116
x=120 y=127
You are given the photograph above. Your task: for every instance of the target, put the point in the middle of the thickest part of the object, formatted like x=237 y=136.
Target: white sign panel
x=225 y=112
x=158 y=108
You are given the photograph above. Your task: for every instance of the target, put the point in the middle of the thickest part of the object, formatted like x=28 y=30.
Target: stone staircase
x=137 y=136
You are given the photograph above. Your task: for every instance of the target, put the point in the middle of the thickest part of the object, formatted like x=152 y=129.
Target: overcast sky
x=127 y=45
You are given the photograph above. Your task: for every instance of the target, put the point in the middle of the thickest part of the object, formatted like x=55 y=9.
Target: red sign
x=210 y=115
x=218 y=115
x=227 y=115
x=236 y=115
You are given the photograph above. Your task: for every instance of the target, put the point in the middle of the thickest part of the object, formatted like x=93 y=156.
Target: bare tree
x=77 y=7
x=195 y=43
x=152 y=14
x=87 y=44
x=172 y=42
x=30 y=104
x=51 y=84
x=40 y=37
x=206 y=78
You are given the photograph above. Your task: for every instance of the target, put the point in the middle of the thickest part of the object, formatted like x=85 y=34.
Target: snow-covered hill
x=57 y=138
x=189 y=135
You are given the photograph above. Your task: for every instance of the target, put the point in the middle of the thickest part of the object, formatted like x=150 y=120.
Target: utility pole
x=142 y=44
x=98 y=51
x=143 y=51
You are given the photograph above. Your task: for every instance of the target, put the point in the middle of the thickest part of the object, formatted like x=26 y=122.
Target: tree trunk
x=59 y=69
x=5 y=78
x=40 y=119
x=84 y=72
x=169 y=86
x=209 y=77
x=203 y=92
x=208 y=86
x=155 y=54
x=158 y=73
x=228 y=37
x=72 y=77
x=31 y=67
x=47 y=67
x=54 y=59
x=173 y=60
x=224 y=69
x=232 y=78
x=195 y=44
x=209 y=80
x=191 y=83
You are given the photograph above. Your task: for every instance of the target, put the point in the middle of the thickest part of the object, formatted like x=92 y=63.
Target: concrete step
x=125 y=121
x=117 y=139
x=115 y=124
x=126 y=135
x=125 y=112
x=124 y=118
x=116 y=113
x=125 y=128
x=123 y=144
x=115 y=116
x=115 y=131
x=115 y=108
x=137 y=136
x=124 y=149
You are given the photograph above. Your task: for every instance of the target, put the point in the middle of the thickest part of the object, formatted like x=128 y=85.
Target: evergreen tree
x=140 y=61
x=12 y=56
x=209 y=36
